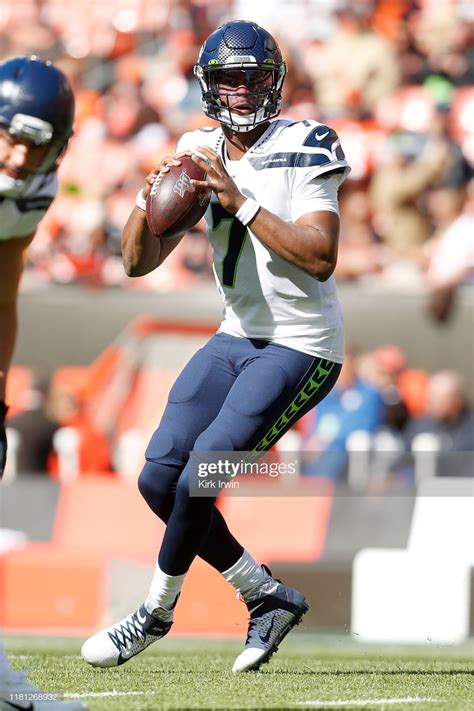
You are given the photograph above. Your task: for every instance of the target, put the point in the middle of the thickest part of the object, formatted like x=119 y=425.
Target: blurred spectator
x=448 y=415
x=66 y=407
x=125 y=111
x=293 y=22
x=450 y=252
x=360 y=252
x=445 y=40
x=410 y=165
x=35 y=425
x=355 y=66
x=353 y=404
x=414 y=65
x=383 y=368
x=439 y=443
x=402 y=389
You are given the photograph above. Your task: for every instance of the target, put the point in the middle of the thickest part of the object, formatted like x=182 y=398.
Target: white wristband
x=141 y=201
x=247 y=211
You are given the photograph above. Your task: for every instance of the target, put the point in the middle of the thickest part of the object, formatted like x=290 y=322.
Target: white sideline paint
x=27 y=657
x=100 y=694
x=314 y=704
x=366 y=702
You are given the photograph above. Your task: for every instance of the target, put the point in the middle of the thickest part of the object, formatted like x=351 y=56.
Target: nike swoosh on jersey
x=319 y=137
x=266 y=637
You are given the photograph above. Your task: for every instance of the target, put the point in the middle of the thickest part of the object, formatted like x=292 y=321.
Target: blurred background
x=386 y=471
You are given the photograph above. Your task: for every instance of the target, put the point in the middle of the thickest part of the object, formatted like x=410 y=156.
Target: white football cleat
x=122 y=641
x=18 y=694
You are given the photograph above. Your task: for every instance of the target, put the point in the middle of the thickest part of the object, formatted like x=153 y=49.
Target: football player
x=36 y=118
x=273 y=224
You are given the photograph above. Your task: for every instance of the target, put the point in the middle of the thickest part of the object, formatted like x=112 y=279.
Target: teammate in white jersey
x=36 y=117
x=273 y=223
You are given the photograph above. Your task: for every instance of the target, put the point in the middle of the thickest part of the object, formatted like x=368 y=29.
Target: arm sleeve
x=318 y=170
x=317 y=195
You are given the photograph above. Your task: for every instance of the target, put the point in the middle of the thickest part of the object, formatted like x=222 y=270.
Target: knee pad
x=170 y=444
x=214 y=439
x=157 y=485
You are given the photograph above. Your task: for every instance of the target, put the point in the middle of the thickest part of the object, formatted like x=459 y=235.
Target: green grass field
x=308 y=672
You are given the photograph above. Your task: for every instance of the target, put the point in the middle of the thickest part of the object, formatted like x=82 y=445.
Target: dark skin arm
x=142 y=251
x=310 y=243
x=11 y=267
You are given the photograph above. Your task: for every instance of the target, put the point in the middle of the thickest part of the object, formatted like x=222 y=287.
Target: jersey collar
x=221 y=147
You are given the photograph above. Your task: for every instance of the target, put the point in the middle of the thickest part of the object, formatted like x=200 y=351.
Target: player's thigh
x=299 y=397
x=267 y=398
x=193 y=402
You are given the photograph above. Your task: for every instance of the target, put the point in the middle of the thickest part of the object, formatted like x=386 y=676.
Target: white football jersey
x=266 y=296
x=20 y=216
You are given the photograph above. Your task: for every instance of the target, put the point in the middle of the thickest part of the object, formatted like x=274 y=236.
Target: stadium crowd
x=392 y=77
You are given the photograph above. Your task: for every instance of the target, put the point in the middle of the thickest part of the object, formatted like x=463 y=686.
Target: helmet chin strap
x=12 y=187
x=242 y=124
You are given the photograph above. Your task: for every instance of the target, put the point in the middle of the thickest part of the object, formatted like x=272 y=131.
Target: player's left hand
x=3 y=437
x=218 y=180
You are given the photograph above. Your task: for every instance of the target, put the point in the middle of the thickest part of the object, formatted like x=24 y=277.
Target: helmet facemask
x=263 y=90
x=37 y=133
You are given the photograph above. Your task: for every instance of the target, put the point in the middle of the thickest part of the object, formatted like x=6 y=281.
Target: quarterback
x=273 y=224
x=36 y=118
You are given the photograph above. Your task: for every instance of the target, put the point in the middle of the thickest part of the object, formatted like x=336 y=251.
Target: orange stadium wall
x=100 y=522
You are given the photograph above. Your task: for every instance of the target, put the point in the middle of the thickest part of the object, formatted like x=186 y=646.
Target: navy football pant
x=235 y=394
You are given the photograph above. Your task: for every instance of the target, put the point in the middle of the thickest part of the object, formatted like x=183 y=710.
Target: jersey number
x=237 y=234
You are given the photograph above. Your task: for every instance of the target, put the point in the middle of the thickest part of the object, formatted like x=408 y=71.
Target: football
x=173 y=204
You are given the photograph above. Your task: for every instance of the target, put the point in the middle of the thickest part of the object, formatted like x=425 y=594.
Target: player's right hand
x=3 y=437
x=162 y=167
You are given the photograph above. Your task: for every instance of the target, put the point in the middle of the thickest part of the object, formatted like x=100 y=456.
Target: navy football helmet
x=37 y=105
x=246 y=47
